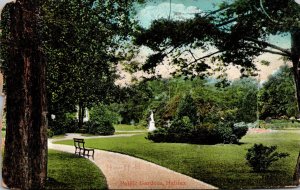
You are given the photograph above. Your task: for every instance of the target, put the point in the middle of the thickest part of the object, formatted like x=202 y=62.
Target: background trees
x=83 y=41
x=277 y=95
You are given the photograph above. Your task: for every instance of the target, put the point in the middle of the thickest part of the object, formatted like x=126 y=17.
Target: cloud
x=178 y=12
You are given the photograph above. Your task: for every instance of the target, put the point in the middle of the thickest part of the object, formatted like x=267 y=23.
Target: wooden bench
x=81 y=150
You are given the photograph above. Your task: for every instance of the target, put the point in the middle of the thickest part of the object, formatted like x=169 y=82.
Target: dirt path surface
x=126 y=172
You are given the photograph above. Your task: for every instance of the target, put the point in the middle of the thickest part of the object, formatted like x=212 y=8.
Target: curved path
x=126 y=172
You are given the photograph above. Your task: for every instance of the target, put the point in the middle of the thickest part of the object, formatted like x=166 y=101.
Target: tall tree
x=277 y=95
x=236 y=33
x=83 y=40
x=25 y=157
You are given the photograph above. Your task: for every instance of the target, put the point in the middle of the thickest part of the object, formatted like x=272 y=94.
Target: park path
x=126 y=172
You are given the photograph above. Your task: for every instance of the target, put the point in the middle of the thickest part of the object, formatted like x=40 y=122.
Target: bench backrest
x=78 y=143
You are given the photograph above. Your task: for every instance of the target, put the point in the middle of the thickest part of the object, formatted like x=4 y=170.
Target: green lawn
x=221 y=165
x=280 y=124
x=123 y=127
x=68 y=171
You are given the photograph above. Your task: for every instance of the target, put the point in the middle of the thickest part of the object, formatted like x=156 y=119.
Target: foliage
x=182 y=130
x=187 y=108
x=102 y=112
x=241 y=96
x=277 y=95
x=220 y=165
x=101 y=120
x=136 y=99
x=63 y=124
x=233 y=30
x=235 y=33
x=240 y=129
x=261 y=157
x=100 y=128
x=50 y=133
x=83 y=42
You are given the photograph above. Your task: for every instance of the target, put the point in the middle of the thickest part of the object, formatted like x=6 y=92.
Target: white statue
x=151 y=125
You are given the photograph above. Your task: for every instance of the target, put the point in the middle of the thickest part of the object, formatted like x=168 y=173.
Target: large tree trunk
x=25 y=158
x=295 y=48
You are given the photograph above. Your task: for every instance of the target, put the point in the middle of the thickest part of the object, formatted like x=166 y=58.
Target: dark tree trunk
x=295 y=35
x=25 y=158
x=80 y=115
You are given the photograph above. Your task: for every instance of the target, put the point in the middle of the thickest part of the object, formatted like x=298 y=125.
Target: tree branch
x=269 y=51
x=206 y=56
x=192 y=54
x=285 y=51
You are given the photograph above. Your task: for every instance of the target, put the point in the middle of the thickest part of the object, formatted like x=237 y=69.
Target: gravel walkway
x=126 y=172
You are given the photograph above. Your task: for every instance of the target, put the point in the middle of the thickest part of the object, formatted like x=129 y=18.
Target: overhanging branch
x=206 y=56
x=285 y=51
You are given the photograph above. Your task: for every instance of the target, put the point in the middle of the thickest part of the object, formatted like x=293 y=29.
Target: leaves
x=82 y=41
x=239 y=31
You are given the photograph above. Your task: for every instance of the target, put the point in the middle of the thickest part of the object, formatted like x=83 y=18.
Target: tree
x=236 y=33
x=242 y=96
x=25 y=157
x=277 y=95
x=83 y=41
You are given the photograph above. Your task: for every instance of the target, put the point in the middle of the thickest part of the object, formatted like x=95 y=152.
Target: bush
x=62 y=125
x=158 y=135
x=240 y=130
x=223 y=133
x=50 y=133
x=183 y=131
x=261 y=157
x=101 y=128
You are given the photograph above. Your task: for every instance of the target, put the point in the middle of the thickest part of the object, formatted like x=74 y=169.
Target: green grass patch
x=69 y=171
x=280 y=124
x=123 y=127
x=58 y=136
x=221 y=165
x=129 y=132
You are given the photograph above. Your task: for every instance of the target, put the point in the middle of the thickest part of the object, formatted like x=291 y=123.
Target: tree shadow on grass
x=54 y=184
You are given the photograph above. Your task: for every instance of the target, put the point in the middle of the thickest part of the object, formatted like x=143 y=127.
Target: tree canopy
x=83 y=42
x=277 y=95
x=235 y=33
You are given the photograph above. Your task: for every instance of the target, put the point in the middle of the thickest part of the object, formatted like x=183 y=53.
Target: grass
x=68 y=171
x=280 y=124
x=129 y=132
x=123 y=127
x=221 y=165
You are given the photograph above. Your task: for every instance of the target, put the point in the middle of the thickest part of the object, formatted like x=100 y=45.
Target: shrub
x=183 y=131
x=261 y=157
x=222 y=133
x=158 y=135
x=50 y=133
x=240 y=130
x=101 y=128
